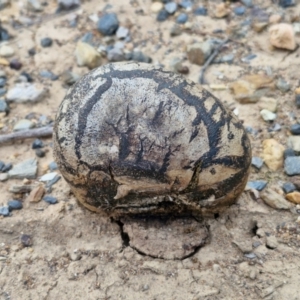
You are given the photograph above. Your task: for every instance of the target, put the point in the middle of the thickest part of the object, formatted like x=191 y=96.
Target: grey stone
x=200 y=11
x=289 y=152
x=108 y=24
x=247 y=3
x=48 y=176
x=141 y=57
x=295 y=129
x=3 y=91
x=23 y=124
x=115 y=54
x=50 y=199
x=68 y=4
x=53 y=166
x=25 y=92
x=46 y=42
x=257 y=185
x=182 y=18
x=14 y=205
x=3 y=81
x=34 y=5
x=4 y=211
x=186 y=4
x=257 y=162
x=3 y=106
x=171 y=7
x=26 y=169
x=175 y=30
x=48 y=74
x=162 y=15
x=297 y=100
x=239 y=10
x=283 y=85
x=122 y=32
x=288 y=187
x=69 y=77
x=292 y=165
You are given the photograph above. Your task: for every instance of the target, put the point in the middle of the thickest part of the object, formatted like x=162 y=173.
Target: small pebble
x=297 y=100
x=267 y=115
x=286 y=3
x=292 y=165
x=46 y=42
x=37 y=143
x=247 y=3
x=4 y=211
x=283 y=85
x=7 y=167
x=14 y=205
x=200 y=11
x=257 y=185
x=295 y=129
x=257 y=162
x=26 y=169
x=171 y=7
x=288 y=152
x=48 y=176
x=288 y=187
x=275 y=127
x=3 y=91
x=108 y=24
x=162 y=15
x=53 y=166
x=40 y=153
x=50 y=199
x=256 y=244
x=23 y=125
x=240 y=10
x=53 y=181
x=26 y=240
x=48 y=74
x=32 y=51
x=186 y=4
x=182 y=18
x=3 y=81
x=68 y=4
x=122 y=32
x=28 y=76
x=250 y=255
x=15 y=64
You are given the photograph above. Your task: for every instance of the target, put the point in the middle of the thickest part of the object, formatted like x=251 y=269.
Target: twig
x=210 y=60
x=26 y=134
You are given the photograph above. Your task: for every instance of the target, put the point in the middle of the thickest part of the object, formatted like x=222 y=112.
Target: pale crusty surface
x=131 y=138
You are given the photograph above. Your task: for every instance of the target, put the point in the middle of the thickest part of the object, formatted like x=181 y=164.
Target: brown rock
x=293 y=197
x=221 y=10
x=274 y=19
x=275 y=200
x=268 y=103
x=273 y=154
x=36 y=194
x=282 y=36
x=250 y=88
x=259 y=26
x=199 y=52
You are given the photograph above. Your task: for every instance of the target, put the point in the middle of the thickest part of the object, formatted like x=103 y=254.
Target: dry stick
x=210 y=60
x=26 y=134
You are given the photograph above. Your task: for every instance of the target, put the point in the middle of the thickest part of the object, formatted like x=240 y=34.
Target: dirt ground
x=77 y=254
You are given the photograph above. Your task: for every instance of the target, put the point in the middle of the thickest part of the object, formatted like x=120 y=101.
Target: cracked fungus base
x=167 y=238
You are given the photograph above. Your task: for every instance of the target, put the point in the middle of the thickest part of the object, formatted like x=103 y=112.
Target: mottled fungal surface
x=130 y=138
